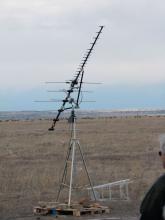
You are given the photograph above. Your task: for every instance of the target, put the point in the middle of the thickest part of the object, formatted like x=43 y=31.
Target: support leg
x=63 y=180
x=82 y=156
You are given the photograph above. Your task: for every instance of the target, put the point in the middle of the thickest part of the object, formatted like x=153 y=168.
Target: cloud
x=46 y=14
x=45 y=40
x=132 y=73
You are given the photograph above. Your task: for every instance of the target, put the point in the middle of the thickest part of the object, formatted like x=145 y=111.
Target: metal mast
x=69 y=162
x=73 y=103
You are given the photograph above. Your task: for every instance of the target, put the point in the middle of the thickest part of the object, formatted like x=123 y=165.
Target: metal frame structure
x=74 y=143
x=71 y=103
x=104 y=192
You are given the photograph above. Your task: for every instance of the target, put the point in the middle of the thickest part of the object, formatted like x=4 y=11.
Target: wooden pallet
x=76 y=210
x=82 y=211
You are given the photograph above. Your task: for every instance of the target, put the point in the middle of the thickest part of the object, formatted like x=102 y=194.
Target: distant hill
x=29 y=115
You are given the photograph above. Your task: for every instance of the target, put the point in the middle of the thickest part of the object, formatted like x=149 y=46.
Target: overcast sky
x=45 y=40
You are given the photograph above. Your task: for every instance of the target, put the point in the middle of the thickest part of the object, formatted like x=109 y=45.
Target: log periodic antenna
x=75 y=84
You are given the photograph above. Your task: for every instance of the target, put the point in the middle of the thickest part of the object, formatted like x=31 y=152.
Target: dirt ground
x=32 y=159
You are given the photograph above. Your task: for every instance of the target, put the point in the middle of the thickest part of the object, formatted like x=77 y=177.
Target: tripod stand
x=70 y=161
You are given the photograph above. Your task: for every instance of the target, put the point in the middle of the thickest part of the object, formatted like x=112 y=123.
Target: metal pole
x=71 y=174
x=73 y=156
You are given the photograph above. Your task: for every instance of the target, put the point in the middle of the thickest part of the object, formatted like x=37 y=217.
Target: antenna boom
x=76 y=83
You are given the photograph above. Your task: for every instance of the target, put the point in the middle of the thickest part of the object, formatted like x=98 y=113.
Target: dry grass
x=31 y=158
